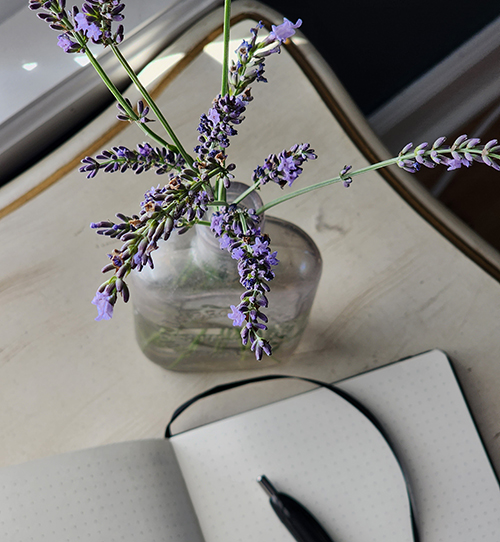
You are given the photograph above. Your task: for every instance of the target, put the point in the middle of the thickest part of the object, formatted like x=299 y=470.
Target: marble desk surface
x=394 y=282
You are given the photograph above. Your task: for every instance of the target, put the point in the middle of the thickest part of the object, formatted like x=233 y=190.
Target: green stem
x=249 y=190
x=221 y=193
x=291 y=195
x=373 y=167
x=115 y=92
x=142 y=89
x=225 y=61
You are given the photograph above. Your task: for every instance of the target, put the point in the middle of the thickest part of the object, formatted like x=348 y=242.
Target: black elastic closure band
x=343 y=394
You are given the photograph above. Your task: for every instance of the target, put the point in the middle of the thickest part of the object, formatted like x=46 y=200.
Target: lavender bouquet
x=199 y=180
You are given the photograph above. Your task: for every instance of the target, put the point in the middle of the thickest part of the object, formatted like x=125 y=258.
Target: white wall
x=9 y=7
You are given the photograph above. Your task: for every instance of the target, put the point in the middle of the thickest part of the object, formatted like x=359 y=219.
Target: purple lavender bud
x=487 y=160
x=108 y=267
x=110 y=288
x=102 y=287
x=182 y=229
x=421 y=148
x=122 y=271
x=459 y=141
x=428 y=163
x=119 y=34
x=102 y=224
x=435 y=157
x=160 y=229
x=438 y=142
x=267 y=348
x=267 y=52
x=125 y=293
x=257 y=348
x=405 y=149
x=473 y=142
x=244 y=334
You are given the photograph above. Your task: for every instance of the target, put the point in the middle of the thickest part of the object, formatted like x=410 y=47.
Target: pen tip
x=266 y=484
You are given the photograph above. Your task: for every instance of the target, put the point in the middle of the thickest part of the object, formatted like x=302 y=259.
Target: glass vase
x=181 y=306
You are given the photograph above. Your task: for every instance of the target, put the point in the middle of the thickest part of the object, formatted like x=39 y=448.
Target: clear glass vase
x=181 y=306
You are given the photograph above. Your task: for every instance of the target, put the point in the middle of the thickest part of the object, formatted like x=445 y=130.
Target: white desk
x=392 y=285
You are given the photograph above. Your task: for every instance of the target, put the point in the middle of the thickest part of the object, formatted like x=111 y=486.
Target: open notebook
x=201 y=485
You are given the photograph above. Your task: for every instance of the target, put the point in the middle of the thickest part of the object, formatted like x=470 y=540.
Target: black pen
x=303 y=526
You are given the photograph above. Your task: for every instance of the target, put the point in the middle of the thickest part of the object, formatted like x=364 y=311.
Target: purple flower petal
x=284 y=31
x=104 y=307
x=236 y=316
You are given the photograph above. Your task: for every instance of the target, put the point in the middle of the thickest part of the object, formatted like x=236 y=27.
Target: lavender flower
x=285 y=167
x=54 y=13
x=236 y=316
x=346 y=180
x=249 y=66
x=121 y=158
x=217 y=125
x=463 y=152
x=67 y=44
x=140 y=116
x=104 y=306
x=177 y=205
x=92 y=23
x=91 y=30
x=99 y=16
x=284 y=31
x=239 y=233
x=188 y=192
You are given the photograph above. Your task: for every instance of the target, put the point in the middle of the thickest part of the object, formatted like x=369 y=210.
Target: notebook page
x=127 y=492
x=420 y=402
x=317 y=448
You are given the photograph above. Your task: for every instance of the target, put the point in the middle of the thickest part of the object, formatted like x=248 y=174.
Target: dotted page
x=421 y=405
x=315 y=447
x=128 y=492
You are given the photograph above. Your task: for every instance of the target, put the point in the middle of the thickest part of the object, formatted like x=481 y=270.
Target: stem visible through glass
x=225 y=61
